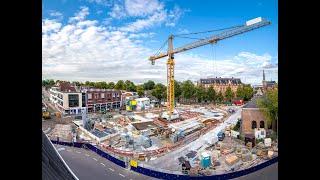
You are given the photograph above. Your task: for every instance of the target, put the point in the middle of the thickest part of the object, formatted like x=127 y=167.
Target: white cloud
x=101 y=2
x=56 y=14
x=117 y=11
x=174 y=15
x=142 y=7
x=148 y=13
x=81 y=15
x=50 y=26
x=140 y=24
x=86 y=50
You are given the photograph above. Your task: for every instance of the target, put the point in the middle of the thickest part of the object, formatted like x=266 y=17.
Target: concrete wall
x=247 y=116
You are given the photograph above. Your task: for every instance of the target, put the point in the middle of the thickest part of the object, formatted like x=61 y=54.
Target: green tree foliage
x=177 y=90
x=149 y=85
x=111 y=85
x=48 y=82
x=220 y=97
x=237 y=126
x=200 y=93
x=229 y=94
x=120 y=85
x=245 y=92
x=76 y=83
x=140 y=90
x=269 y=107
x=159 y=91
x=130 y=86
x=187 y=89
x=211 y=94
x=100 y=85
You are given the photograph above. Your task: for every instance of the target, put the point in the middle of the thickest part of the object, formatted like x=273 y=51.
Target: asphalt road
x=267 y=173
x=87 y=165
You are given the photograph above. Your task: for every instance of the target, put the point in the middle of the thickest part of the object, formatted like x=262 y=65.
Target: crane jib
x=214 y=38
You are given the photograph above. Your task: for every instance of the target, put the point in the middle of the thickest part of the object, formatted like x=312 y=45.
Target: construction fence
x=166 y=175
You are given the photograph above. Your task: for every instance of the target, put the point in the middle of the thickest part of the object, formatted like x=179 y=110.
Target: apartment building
x=67 y=100
x=220 y=84
x=102 y=99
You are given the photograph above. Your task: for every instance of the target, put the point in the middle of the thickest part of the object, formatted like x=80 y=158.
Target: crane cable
x=209 y=30
x=159 y=50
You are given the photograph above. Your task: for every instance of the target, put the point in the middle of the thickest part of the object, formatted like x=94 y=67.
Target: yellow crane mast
x=229 y=32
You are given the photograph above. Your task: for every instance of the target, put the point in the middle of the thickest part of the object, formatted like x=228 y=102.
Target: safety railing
x=165 y=174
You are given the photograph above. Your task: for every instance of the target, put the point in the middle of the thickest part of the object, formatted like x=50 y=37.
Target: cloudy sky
x=109 y=40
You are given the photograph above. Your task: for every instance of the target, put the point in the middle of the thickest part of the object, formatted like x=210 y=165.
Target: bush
x=273 y=136
x=237 y=126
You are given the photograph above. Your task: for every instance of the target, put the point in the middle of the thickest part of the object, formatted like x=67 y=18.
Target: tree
x=240 y=92
x=219 y=97
x=245 y=92
x=101 y=85
x=269 y=107
x=159 y=91
x=87 y=83
x=177 y=90
x=76 y=83
x=140 y=90
x=200 y=93
x=92 y=84
x=187 y=89
x=120 y=85
x=211 y=94
x=149 y=85
x=130 y=86
x=111 y=85
x=229 y=94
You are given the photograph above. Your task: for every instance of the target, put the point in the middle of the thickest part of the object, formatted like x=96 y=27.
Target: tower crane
x=230 y=32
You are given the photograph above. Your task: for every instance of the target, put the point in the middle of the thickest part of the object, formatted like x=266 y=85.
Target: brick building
x=102 y=99
x=252 y=118
x=220 y=84
x=267 y=84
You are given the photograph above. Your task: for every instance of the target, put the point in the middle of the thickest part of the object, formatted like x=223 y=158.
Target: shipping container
x=254 y=21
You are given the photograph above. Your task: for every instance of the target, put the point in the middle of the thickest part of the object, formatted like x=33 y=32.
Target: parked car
x=221 y=135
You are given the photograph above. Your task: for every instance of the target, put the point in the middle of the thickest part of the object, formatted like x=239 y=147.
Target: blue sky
x=108 y=40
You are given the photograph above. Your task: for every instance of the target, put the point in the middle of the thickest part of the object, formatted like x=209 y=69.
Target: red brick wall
x=247 y=116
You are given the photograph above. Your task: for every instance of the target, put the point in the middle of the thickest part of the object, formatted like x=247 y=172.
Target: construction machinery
x=226 y=33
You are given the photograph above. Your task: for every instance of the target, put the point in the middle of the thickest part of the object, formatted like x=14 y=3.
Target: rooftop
x=221 y=80
x=252 y=103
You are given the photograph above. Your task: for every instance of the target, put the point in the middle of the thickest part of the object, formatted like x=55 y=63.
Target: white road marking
x=78 y=152
x=61 y=149
x=102 y=164
x=111 y=169
x=121 y=175
x=68 y=150
x=95 y=159
x=87 y=155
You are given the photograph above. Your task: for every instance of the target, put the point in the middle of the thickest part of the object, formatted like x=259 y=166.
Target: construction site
x=175 y=137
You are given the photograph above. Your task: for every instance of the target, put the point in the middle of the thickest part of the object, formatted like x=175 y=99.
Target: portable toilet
x=205 y=159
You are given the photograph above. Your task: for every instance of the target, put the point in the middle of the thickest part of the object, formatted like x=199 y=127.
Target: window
x=83 y=100
x=253 y=124
x=96 y=96
x=102 y=95
x=261 y=124
x=89 y=96
x=73 y=100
